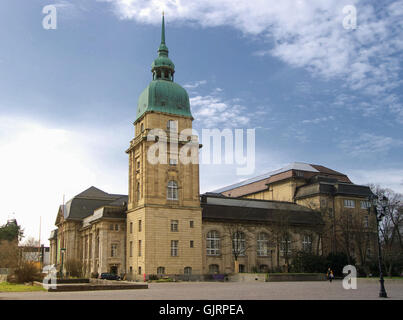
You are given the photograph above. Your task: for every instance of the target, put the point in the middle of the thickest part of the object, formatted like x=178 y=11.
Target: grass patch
x=12 y=287
x=164 y=280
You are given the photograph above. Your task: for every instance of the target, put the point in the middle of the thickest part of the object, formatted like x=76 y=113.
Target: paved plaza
x=318 y=290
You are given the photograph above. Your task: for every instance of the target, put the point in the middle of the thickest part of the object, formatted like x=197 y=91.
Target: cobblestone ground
x=367 y=289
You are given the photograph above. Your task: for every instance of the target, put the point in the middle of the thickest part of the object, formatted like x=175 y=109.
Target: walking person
x=329 y=274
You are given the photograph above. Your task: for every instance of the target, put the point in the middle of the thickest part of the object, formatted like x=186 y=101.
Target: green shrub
x=305 y=262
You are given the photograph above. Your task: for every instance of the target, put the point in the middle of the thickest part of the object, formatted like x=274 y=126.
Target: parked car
x=109 y=276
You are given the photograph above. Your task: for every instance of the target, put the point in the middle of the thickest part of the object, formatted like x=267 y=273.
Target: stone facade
x=164 y=227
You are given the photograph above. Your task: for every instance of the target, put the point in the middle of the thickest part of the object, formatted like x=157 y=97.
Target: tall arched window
x=213 y=269
x=238 y=243
x=187 y=271
x=213 y=243
x=262 y=244
x=142 y=127
x=172 y=190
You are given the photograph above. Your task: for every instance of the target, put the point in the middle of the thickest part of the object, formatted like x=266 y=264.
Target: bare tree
x=390 y=227
x=281 y=232
x=30 y=250
x=237 y=236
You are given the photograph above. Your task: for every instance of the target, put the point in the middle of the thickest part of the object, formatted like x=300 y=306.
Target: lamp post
x=384 y=203
x=63 y=250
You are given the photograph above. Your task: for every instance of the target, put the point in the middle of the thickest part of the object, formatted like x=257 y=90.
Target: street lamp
x=63 y=250
x=379 y=215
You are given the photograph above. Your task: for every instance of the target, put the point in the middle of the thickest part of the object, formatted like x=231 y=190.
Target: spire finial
x=163 y=29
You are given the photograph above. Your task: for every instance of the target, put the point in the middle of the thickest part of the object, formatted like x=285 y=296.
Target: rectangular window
x=191 y=224
x=139 y=248
x=139 y=225
x=285 y=246
x=131 y=248
x=365 y=204
x=111 y=227
x=307 y=244
x=116 y=227
x=366 y=221
x=174 y=225
x=131 y=227
x=191 y=243
x=349 y=203
x=174 y=248
x=114 y=250
x=173 y=162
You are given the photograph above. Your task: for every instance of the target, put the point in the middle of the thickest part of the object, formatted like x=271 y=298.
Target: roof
x=220 y=208
x=295 y=169
x=84 y=204
x=249 y=214
x=164 y=96
x=323 y=187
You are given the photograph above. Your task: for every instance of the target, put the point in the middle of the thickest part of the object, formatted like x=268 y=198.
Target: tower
x=164 y=214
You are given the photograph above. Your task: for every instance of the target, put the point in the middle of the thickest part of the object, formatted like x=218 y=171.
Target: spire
x=162 y=67
x=163 y=29
x=163 y=50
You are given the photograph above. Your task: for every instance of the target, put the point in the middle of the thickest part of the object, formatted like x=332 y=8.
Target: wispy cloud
x=317 y=120
x=391 y=178
x=367 y=144
x=195 y=84
x=215 y=111
x=305 y=34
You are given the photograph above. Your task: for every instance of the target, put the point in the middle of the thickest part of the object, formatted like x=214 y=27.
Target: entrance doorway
x=114 y=270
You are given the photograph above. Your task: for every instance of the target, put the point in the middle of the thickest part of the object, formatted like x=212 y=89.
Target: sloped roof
x=229 y=209
x=84 y=204
x=262 y=215
x=259 y=183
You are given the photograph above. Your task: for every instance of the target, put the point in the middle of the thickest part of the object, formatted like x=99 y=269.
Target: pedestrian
x=331 y=275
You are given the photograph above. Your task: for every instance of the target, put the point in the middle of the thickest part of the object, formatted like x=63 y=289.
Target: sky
x=314 y=90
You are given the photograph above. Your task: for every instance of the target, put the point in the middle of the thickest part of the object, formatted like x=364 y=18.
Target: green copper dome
x=163 y=94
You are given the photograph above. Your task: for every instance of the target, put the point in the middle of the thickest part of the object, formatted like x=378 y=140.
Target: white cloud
x=367 y=144
x=39 y=164
x=389 y=178
x=215 y=112
x=195 y=84
x=318 y=120
x=305 y=34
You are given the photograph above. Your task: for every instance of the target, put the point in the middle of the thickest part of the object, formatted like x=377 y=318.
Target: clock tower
x=164 y=220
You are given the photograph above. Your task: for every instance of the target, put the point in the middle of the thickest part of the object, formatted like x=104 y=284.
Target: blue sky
x=314 y=91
